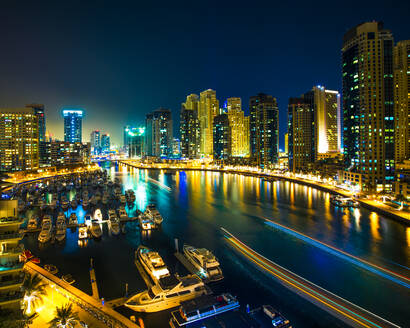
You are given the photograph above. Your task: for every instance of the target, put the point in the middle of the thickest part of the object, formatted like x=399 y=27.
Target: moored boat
x=204 y=261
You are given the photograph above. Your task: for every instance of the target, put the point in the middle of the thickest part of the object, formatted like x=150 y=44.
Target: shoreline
x=389 y=213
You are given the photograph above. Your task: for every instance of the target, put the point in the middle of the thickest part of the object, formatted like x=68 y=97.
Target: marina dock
x=93 y=281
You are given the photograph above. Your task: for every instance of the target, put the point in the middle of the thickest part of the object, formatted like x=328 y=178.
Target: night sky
x=120 y=60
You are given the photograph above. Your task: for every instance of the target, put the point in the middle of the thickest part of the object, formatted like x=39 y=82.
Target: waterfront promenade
x=373 y=205
x=90 y=310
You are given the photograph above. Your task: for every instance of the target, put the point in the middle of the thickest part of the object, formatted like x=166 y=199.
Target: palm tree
x=65 y=317
x=34 y=290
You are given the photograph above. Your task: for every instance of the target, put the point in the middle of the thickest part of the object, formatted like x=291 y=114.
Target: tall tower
x=264 y=127
x=208 y=109
x=105 y=143
x=401 y=61
x=221 y=137
x=189 y=127
x=19 y=146
x=368 y=110
x=239 y=142
x=95 y=141
x=39 y=111
x=159 y=133
x=73 y=124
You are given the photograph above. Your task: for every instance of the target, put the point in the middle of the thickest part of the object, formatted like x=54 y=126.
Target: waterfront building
x=264 y=130
x=176 y=148
x=158 y=127
x=69 y=153
x=368 y=108
x=95 y=141
x=221 y=137
x=401 y=62
x=189 y=127
x=135 y=142
x=105 y=143
x=73 y=124
x=11 y=269
x=301 y=134
x=208 y=109
x=39 y=112
x=286 y=143
x=19 y=148
x=239 y=126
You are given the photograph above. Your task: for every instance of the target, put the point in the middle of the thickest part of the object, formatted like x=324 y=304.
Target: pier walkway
x=349 y=313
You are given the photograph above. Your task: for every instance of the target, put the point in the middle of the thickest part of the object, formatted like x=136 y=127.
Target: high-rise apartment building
x=73 y=124
x=301 y=134
x=189 y=127
x=401 y=69
x=221 y=137
x=105 y=143
x=286 y=143
x=368 y=105
x=159 y=133
x=239 y=127
x=264 y=133
x=19 y=146
x=64 y=153
x=135 y=141
x=95 y=141
x=208 y=109
x=39 y=111
x=11 y=273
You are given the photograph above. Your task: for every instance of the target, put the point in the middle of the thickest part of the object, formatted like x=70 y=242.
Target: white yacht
x=96 y=230
x=146 y=223
x=98 y=215
x=32 y=223
x=60 y=227
x=152 y=212
x=45 y=234
x=72 y=220
x=152 y=262
x=167 y=295
x=87 y=220
x=82 y=232
x=205 y=262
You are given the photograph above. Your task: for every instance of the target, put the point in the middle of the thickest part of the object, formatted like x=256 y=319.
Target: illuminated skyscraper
x=105 y=143
x=189 y=127
x=19 y=146
x=286 y=143
x=401 y=62
x=39 y=111
x=221 y=137
x=159 y=133
x=73 y=124
x=208 y=109
x=368 y=108
x=264 y=125
x=238 y=126
x=135 y=141
x=95 y=140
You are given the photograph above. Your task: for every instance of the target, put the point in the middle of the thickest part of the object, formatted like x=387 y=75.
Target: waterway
x=195 y=205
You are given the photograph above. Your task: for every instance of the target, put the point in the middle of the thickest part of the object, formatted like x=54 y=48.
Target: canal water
x=195 y=205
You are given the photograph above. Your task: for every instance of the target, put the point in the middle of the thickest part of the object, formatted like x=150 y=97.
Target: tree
x=65 y=317
x=34 y=290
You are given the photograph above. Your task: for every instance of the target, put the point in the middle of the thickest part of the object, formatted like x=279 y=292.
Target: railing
x=12 y=251
x=13 y=235
x=12 y=219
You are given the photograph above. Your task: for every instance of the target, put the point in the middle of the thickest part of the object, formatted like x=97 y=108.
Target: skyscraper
x=301 y=134
x=105 y=143
x=95 y=140
x=19 y=148
x=39 y=111
x=159 y=133
x=208 y=109
x=135 y=141
x=401 y=61
x=238 y=126
x=221 y=137
x=73 y=124
x=368 y=110
x=189 y=127
x=264 y=125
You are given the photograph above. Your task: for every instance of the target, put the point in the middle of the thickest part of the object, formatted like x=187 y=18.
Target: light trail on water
x=380 y=271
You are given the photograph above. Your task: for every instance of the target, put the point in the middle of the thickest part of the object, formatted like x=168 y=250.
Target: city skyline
x=289 y=65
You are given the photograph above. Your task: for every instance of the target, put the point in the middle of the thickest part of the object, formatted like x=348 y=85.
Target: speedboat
x=82 y=232
x=87 y=220
x=45 y=234
x=96 y=230
x=123 y=200
x=168 y=294
x=72 y=220
x=60 y=227
x=204 y=261
x=68 y=278
x=114 y=224
x=73 y=204
x=200 y=308
x=152 y=212
x=275 y=317
x=152 y=262
x=98 y=215
x=122 y=214
x=64 y=203
x=117 y=192
x=146 y=223
x=51 y=268
x=32 y=223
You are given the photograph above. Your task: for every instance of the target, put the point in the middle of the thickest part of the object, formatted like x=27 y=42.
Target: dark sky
x=120 y=60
